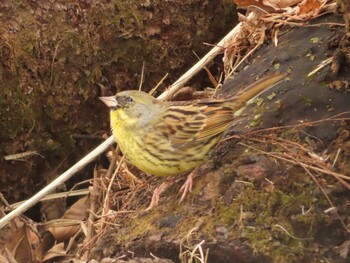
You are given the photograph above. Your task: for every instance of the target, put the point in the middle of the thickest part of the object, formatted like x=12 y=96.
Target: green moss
x=307 y=101
x=256 y=121
x=16 y=115
x=138 y=227
x=259 y=217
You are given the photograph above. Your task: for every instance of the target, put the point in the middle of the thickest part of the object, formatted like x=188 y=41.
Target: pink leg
x=187 y=186
x=157 y=192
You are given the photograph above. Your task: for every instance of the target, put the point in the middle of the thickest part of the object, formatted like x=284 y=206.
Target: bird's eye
x=129 y=99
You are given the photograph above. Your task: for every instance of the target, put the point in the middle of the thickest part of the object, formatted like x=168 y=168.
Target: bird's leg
x=187 y=186
x=158 y=191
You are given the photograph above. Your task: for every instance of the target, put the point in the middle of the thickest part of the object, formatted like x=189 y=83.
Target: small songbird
x=170 y=138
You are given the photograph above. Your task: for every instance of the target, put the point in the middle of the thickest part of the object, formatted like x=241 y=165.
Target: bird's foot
x=187 y=186
x=157 y=192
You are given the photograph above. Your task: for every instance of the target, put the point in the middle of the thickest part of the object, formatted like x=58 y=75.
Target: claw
x=157 y=192
x=187 y=186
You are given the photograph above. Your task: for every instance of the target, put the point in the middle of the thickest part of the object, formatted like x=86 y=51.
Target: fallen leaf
x=267 y=5
x=264 y=4
x=56 y=251
x=66 y=227
x=20 y=241
x=309 y=7
x=344 y=249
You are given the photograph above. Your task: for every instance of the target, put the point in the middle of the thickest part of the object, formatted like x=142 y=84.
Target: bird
x=170 y=138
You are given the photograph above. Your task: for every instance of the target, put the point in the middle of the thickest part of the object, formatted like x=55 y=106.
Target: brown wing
x=183 y=124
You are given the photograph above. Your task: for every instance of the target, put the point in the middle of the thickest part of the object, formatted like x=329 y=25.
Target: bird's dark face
x=118 y=101
x=124 y=101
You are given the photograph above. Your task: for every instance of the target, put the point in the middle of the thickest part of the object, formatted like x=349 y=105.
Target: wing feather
x=186 y=124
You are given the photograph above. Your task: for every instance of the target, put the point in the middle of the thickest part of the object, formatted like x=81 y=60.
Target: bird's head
x=132 y=106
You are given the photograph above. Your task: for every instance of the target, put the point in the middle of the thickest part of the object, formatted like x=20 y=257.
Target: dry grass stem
x=326 y=195
x=106 y=201
x=336 y=157
x=336 y=118
x=94 y=194
x=142 y=75
x=289 y=234
x=21 y=156
x=158 y=84
x=71 y=193
x=323 y=64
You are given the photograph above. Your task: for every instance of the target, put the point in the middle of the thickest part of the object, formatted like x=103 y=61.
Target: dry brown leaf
x=309 y=7
x=273 y=3
x=287 y=3
x=267 y=5
x=63 y=229
x=344 y=249
x=52 y=209
x=264 y=4
x=78 y=210
x=19 y=241
x=8 y=258
x=47 y=241
x=56 y=251
x=10 y=229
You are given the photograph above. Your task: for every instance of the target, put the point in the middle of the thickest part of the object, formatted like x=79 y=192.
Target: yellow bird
x=170 y=138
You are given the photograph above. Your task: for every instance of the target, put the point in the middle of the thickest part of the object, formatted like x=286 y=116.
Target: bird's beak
x=109 y=101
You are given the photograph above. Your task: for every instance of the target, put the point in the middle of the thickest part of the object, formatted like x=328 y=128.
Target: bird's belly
x=158 y=159
x=160 y=165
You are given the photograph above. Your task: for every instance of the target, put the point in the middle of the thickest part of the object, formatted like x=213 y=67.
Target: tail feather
x=259 y=86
